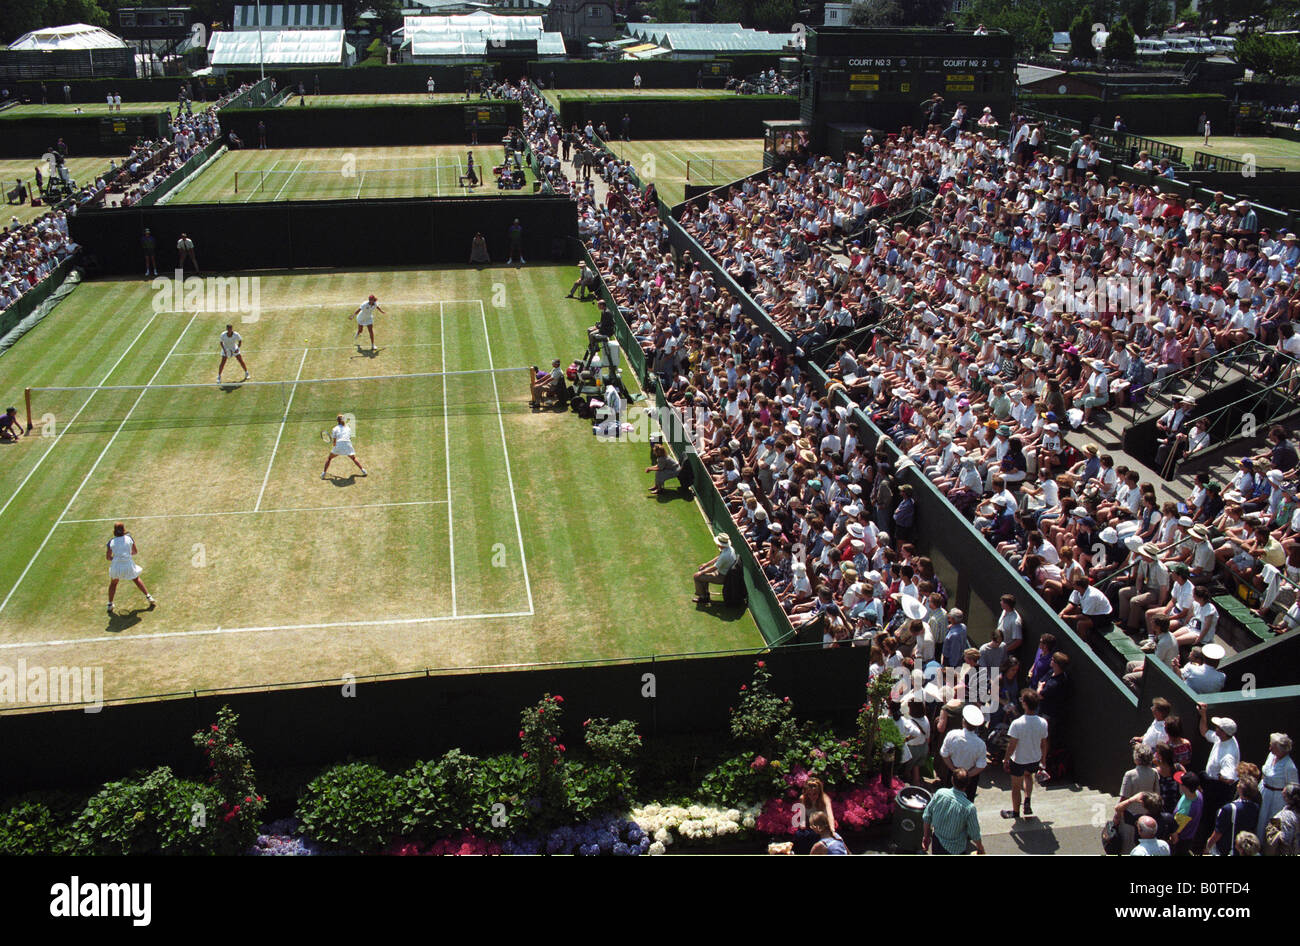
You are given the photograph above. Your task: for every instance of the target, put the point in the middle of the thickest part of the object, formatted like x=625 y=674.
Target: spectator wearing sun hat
x=1148 y=589
x=1219 y=782
x=714 y=571
x=1202 y=673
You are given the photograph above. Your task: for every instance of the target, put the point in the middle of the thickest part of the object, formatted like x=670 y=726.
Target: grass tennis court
x=81 y=169
x=87 y=108
x=1268 y=152
x=485 y=534
x=673 y=163
x=380 y=98
x=555 y=96
x=333 y=173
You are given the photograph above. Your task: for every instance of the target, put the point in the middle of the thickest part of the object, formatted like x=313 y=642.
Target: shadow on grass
x=723 y=612
x=667 y=495
x=120 y=621
x=342 y=481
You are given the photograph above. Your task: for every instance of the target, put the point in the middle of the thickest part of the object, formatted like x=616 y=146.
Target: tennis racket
x=327 y=435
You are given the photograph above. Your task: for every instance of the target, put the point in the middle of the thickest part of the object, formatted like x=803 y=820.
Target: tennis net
x=317 y=401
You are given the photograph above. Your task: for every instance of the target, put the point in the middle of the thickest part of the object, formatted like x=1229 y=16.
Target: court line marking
x=250 y=512
x=86 y=479
x=510 y=482
x=245 y=351
x=342 y=303
x=41 y=459
x=262 y=172
x=288 y=179
x=288 y=405
x=161 y=635
x=446 y=436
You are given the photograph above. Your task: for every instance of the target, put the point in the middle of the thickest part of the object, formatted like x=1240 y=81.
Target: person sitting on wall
x=548 y=386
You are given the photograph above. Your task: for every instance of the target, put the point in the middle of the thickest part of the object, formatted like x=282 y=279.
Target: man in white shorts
x=365 y=316
x=230 y=344
x=341 y=440
x=430 y=85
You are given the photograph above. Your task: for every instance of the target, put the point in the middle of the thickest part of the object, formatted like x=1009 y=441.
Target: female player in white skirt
x=365 y=316
x=341 y=446
x=121 y=565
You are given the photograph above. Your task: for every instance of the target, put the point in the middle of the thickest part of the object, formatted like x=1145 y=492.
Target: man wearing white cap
x=714 y=571
x=1202 y=673
x=1219 y=781
x=964 y=749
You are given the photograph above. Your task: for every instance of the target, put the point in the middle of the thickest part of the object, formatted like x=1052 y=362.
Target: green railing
x=178 y=176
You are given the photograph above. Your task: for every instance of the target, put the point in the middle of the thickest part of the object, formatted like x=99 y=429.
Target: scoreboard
x=717 y=69
x=123 y=130
x=868 y=78
x=880 y=78
x=478 y=72
x=487 y=114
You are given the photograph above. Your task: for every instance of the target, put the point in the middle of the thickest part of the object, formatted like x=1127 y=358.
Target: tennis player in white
x=365 y=316
x=121 y=565
x=341 y=446
x=230 y=348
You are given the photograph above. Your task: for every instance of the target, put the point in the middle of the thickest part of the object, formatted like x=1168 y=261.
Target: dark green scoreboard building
x=859 y=78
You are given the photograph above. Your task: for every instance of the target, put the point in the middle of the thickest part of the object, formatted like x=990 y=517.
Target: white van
x=1224 y=45
x=1152 y=47
x=1177 y=44
x=1203 y=45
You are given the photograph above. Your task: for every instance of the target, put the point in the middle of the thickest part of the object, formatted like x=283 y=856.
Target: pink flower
x=758 y=764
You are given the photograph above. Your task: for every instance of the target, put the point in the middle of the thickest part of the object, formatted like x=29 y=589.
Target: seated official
x=548 y=386
x=714 y=571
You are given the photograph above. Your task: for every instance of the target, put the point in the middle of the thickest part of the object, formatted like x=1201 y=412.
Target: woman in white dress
x=121 y=565
x=341 y=446
x=1277 y=773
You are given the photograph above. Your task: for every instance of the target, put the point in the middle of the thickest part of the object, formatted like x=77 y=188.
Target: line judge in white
x=341 y=446
x=365 y=316
x=121 y=548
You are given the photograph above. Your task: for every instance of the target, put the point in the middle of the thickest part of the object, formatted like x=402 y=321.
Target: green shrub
x=761 y=719
x=743 y=780
x=31 y=828
x=352 y=806
x=155 y=813
x=231 y=767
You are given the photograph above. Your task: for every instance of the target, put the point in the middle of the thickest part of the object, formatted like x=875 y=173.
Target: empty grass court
x=380 y=98
x=671 y=164
x=556 y=96
x=484 y=535
x=251 y=174
x=1268 y=152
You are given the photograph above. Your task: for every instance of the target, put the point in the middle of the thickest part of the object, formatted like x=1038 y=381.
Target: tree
x=1081 y=35
x=1160 y=18
x=1268 y=55
x=923 y=12
x=775 y=15
x=1121 y=44
x=1139 y=13
x=875 y=13
x=668 y=11
x=1038 y=38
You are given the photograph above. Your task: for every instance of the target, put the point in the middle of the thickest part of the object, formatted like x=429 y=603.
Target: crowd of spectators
x=1000 y=347
x=768 y=82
